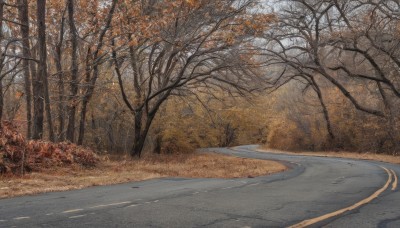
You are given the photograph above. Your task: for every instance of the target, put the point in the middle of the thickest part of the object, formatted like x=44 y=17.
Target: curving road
x=316 y=191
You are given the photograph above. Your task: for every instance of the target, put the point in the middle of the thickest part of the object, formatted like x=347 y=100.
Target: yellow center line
x=309 y=222
x=394 y=185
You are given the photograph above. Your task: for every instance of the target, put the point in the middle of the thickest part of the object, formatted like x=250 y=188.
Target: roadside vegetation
x=115 y=169
x=18 y=156
x=82 y=80
x=340 y=154
x=31 y=167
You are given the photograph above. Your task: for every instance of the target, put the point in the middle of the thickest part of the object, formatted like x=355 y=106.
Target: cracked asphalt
x=313 y=186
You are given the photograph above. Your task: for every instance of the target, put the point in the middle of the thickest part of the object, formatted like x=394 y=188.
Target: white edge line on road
x=77 y=216
x=21 y=218
x=97 y=206
x=120 y=203
x=111 y=204
x=71 y=211
x=1 y=220
x=312 y=221
x=133 y=205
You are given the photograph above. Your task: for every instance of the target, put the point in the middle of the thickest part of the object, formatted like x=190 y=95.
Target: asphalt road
x=313 y=187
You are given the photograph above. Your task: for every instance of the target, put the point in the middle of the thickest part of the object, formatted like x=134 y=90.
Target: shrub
x=17 y=154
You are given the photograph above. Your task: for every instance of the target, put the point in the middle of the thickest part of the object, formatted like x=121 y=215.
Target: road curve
x=315 y=191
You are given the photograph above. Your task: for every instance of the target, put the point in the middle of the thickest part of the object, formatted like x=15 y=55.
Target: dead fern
x=18 y=155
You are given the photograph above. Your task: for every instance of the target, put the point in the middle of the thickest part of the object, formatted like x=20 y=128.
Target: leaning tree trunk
x=325 y=111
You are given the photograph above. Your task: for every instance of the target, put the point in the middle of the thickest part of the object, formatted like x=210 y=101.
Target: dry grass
x=341 y=154
x=113 y=171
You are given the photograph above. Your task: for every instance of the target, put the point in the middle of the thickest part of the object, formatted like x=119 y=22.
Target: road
x=313 y=187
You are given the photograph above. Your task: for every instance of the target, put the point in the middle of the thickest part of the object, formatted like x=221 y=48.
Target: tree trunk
x=1 y=79
x=61 y=90
x=42 y=76
x=23 y=12
x=140 y=134
x=33 y=71
x=82 y=120
x=327 y=118
x=38 y=92
x=85 y=101
x=72 y=104
x=138 y=147
x=138 y=142
x=1 y=101
x=325 y=111
x=390 y=121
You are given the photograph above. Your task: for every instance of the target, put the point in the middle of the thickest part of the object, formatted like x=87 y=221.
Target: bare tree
x=92 y=70
x=197 y=51
x=9 y=61
x=341 y=42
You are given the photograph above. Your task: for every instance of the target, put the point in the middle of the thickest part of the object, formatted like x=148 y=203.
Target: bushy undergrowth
x=18 y=155
x=302 y=126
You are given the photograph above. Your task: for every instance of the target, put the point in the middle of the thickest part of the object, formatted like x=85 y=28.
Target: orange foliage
x=17 y=154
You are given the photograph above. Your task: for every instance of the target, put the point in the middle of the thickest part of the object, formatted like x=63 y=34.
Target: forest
x=171 y=76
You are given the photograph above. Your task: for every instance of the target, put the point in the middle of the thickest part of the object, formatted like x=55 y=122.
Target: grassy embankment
x=340 y=154
x=120 y=170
